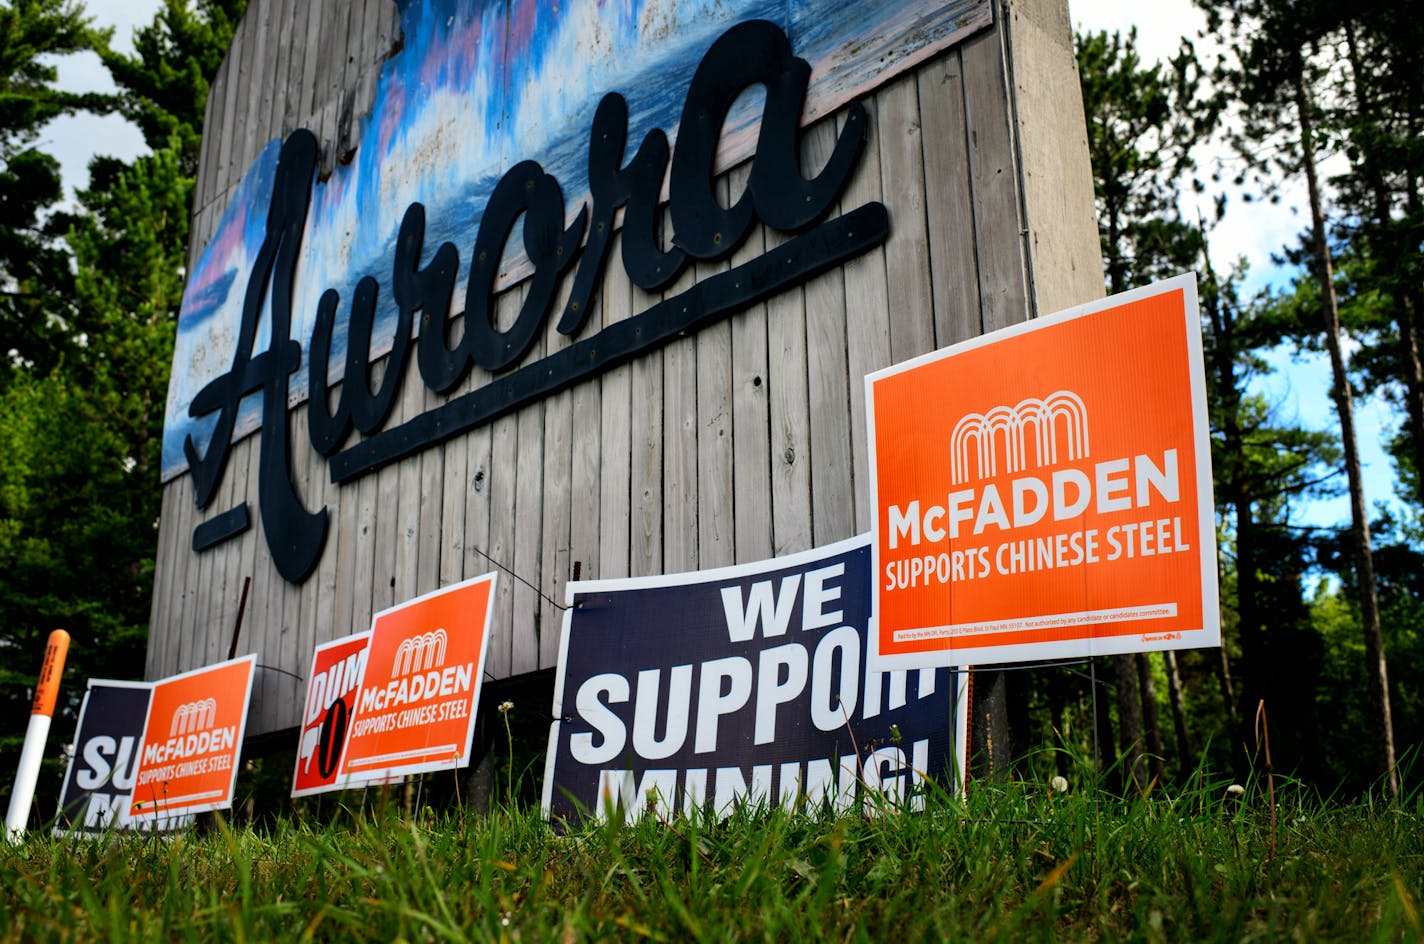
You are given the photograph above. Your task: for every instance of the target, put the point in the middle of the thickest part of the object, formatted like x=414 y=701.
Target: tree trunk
x=1151 y=722
x=1228 y=687
x=1102 y=726
x=1375 y=665
x=1129 y=719
x=1185 y=755
x=1063 y=731
x=989 y=726
x=1234 y=492
x=1405 y=319
x=1406 y=295
x=1414 y=314
x=1250 y=626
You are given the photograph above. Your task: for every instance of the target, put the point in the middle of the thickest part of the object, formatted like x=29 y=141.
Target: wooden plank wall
x=740 y=442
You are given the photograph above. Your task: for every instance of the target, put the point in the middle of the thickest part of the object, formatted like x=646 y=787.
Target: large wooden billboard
x=582 y=289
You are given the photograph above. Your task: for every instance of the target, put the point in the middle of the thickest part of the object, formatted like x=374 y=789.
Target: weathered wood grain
x=615 y=514
x=997 y=220
x=503 y=479
x=743 y=440
x=527 y=513
x=790 y=446
x=867 y=315
x=302 y=101
x=751 y=410
x=250 y=113
x=950 y=216
x=907 y=254
x=1065 y=263
x=276 y=80
x=227 y=171
x=555 y=526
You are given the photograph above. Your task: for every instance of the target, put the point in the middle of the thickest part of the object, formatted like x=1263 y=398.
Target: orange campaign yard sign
x=191 y=741
x=332 y=688
x=416 y=707
x=1044 y=491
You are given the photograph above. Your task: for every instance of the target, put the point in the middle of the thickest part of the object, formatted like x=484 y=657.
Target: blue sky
x=77 y=138
x=1300 y=388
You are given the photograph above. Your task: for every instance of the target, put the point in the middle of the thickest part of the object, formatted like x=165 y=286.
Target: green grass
x=1016 y=862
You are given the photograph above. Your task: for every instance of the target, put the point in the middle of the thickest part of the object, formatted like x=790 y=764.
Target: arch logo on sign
x=415 y=709
x=1044 y=491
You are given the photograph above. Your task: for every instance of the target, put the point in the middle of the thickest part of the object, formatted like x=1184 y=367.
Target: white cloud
x=75 y=139
x=1160 y=27
x=1256 y=230
x=1253 y=230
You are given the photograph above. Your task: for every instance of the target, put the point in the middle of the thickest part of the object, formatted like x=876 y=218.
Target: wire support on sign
x=509 y=570
x=273 y=668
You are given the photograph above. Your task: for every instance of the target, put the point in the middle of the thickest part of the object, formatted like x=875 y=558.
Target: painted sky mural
x=480 y=85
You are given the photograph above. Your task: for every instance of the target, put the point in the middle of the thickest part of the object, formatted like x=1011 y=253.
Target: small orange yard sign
x=416 y=707
x=191 y=742
x=332 y=687
x=1044 y=491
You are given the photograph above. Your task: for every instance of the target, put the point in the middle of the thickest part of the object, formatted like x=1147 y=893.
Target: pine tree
x=1280 y=71
x=34 y=269
x=91 y=320
x=52 y=524
x=131 y=242
x=1143 y=123
x=165 y=82
x=1382 y=119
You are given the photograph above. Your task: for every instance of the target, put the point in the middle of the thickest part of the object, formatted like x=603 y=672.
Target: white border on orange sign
x=1208 y=635
x=347 y=780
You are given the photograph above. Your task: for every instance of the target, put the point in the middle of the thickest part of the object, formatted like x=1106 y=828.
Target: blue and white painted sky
x=1299 y=388
x=479 y=85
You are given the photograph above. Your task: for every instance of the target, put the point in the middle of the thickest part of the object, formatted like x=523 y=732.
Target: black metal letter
x=327 y=427
x=525 y=190
x=429 y=291
x=294 y=535
x=638 y=186
x=753 y=53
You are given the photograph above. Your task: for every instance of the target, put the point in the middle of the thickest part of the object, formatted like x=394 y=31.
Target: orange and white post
x=41 y=713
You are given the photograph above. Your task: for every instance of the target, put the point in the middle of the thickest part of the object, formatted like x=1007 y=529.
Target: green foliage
x=30 y=32
x=90 y=322
x=34 y=269
x=1399 y=570
x=71 y=559
x=1015 y=863
x=1304 y=87
x=165 y=82
x=128 y=289
x=1143 y=123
